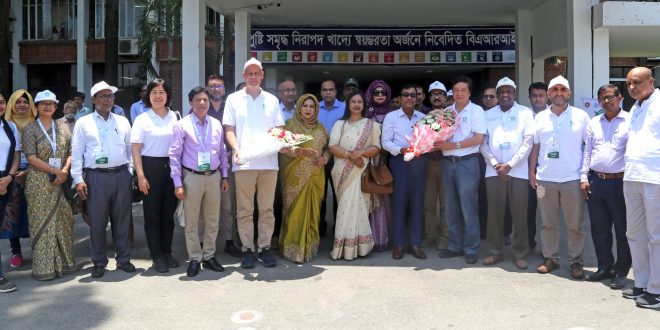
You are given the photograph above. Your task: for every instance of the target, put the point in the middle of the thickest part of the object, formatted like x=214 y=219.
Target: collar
x=651 y=98
x=283 y=107
x=401 y=113
x=97 y=115
x=621 y=115
x=153 y=114
x=196 y=119
x=336 y=104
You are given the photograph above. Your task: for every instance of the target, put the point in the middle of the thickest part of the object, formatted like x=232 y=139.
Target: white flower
x=435 y=126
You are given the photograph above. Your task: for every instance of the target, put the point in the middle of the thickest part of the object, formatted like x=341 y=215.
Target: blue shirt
x=136 y=109
x=288 y=113
x=328 y=116
x=396 y=126
x=84 y=111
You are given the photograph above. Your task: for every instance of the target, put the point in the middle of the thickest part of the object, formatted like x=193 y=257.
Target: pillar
x=83 y=68
x=241 y=43
x=524 y=76
x=193 y=15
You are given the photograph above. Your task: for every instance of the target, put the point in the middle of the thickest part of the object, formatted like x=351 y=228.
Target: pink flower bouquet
x=270 y=143
x=438 y=125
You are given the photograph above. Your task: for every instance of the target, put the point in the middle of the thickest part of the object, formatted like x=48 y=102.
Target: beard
x=215 y=97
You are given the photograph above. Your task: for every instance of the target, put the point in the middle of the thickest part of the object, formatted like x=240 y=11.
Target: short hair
x=608 y=86
x=462 y=79
x=197 y=90
x=408 y=86
x=158 y=82
x=347 y=111
x=489 y=85
x=79 y=94
x=214 y=76
x=537 y=85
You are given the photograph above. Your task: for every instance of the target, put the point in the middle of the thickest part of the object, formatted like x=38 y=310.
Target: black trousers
x=531 y=219
x=323 y=225
x=159 y=206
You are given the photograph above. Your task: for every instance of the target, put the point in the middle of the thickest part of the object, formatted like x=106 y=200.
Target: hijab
x=374 y=109
x=21 y=120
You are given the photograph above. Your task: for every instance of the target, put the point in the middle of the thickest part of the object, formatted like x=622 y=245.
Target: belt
x=108 y=169
x=206 y=173
x=607 y=176
x=459 y=158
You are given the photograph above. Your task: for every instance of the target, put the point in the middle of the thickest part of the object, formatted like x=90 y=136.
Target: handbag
x=377 y=179
x=68 y=189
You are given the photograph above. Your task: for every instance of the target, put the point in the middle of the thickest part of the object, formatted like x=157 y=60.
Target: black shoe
x=633 y=293
x=193 y=268
x=232 y=250
x=649 y=300
x=248 y=259
x=447 y=253
x=126 y=266
x=160 y=265
x=618 y=282
x=599 y=275
x=471 y=258
x=213 y=264
x=171 y=262
x=267 y=259
x=98 y=271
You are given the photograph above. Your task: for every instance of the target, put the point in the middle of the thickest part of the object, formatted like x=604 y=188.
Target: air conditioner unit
x=128 y=47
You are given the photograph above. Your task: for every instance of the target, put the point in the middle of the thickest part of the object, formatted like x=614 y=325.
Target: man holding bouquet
x=249 y=113
x=506 y=147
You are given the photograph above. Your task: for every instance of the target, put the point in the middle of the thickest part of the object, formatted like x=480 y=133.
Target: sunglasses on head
x=380 y=92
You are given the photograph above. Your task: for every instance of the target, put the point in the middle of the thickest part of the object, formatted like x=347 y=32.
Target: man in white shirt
x=560 y=132
x=461 y=174
x=641 y=188
x=508 y=141
x=250 y=112
x=101 y=148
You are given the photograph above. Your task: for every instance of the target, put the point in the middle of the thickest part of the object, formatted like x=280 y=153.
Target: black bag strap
x=12 y=143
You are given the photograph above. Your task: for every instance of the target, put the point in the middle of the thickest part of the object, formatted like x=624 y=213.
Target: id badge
x=505 y=145
x=23 y=159
x=203 y=161
x=553 y=153
x=55 y=162
x=101 y=157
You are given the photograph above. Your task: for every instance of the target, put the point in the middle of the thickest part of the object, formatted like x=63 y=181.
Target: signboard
x=425 y=45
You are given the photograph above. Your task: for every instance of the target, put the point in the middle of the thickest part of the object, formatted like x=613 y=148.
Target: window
x=128 y=17
x=33 y=17
x=49 y=19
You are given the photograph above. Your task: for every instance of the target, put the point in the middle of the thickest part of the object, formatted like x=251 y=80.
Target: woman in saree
x=302 y=175
x=47 y=147
x=378 y=97
x=353 y=141
x=21 y=112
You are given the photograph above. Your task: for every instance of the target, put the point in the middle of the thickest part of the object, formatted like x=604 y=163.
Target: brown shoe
x=547 y=266
x=397 y=252
x=417 y=252
x=521 y=263
x=577 y=272
x=493 y=259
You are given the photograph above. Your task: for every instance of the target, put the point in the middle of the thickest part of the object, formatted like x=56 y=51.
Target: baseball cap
x=351 y=81
x=450 y=93
x=437 y=85
x=252 y=61
x=505 y=82
x=102 y=86
x=558 y=80
x=45 y=96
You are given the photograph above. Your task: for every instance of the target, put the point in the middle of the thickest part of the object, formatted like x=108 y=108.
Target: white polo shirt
x=642 y=155
x=504 y=138
x=473 y=121
x=562 y=137
x=154 y=133
x=252 y=117
x=5 y=144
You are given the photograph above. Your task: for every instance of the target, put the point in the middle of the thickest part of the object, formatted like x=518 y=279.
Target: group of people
x=552 y=155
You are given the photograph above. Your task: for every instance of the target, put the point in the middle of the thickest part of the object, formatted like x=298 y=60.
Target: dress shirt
x=329 y=115
x=186 y=146
x=154 y=133
x=253 y=117
x=117 y=110
x=508 y=140
x=642 y=155
x=564 y=134
x=93 y=136
x=473 y=121
x=136 y=109
x=396 y=126
x=215 y=113
x=604 y=145
x=288 y=113
x=5 y=143
x=84 y=111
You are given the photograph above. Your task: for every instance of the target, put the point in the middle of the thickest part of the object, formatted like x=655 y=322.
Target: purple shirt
x=185 y=146
x=605 y=145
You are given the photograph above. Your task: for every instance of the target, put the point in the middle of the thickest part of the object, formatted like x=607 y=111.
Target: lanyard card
x=55 y=162
x=101 y=157
x=203 y=161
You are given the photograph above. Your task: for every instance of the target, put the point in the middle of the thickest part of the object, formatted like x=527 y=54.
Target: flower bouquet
x=270 y=143
x=437 y=125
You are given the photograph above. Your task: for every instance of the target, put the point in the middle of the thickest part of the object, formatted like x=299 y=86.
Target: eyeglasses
x=489 y=96
x=411 y=95
x=47 y=104
x=608 y=98
x=438 y=94
x=106 y=97
x=327 y=90
x=380 y=92
x=218 y=86
x=288 y=91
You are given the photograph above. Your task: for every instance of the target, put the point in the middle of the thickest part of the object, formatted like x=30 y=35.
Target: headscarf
x=21 y=120
x=374 y=109
x=299 y=121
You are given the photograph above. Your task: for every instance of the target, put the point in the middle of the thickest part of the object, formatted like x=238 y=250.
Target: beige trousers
x=263 y=183
x=202 y=209
x=435 y=228
x=500 y=193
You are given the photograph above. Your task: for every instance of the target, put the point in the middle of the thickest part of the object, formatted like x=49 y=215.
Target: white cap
x=45 y=96
x=505 y=82
x=558 y=80
x=252 y=61
x=437 y=85
x=102 y=86
x=450 y=93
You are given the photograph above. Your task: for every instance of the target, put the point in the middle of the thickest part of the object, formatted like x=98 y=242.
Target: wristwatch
x=458 y=145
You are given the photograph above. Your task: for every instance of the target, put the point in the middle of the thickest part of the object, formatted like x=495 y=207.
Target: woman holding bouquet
x=353 y=140
x=378 y=96
x=302 y=175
